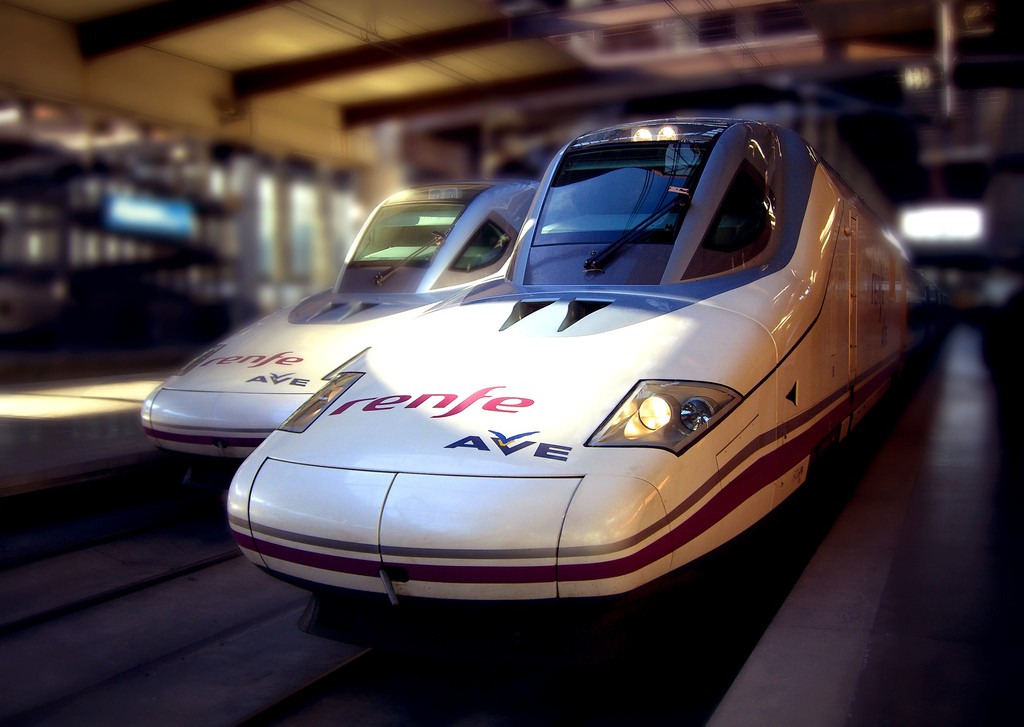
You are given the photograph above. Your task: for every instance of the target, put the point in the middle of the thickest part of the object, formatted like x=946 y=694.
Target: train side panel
x=878 y=315
x=813 y=379
x=841 y=335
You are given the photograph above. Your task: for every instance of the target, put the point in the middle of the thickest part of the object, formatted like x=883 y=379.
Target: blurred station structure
x=172 y=169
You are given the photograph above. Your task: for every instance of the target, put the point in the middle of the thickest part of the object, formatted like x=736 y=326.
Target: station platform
x=72 y=416
x=908 y=613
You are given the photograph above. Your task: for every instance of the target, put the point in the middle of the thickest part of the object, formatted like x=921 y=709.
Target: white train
x=418 y=247
x=694 y=310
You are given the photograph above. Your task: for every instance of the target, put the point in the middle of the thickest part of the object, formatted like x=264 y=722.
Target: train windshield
x=610 y=193
x=407 y=233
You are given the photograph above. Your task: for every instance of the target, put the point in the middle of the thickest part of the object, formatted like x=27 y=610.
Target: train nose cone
x=475 y=537
x=438 y=536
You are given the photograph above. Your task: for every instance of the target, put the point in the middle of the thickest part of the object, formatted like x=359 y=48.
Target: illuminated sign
x=149 y=216
x=943 y=223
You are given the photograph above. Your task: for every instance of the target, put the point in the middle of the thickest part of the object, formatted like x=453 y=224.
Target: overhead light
x=10 y=114
x=943 y=223
x=918 y=78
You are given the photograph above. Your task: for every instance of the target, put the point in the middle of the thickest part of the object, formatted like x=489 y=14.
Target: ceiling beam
x=289 y=74
x=859 y=19
x=566 y=82
x=632 y=92
x=141 y=25
x=635 y=91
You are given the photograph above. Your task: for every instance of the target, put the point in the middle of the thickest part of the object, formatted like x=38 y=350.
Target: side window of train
x=485 y=247
x=740 y=231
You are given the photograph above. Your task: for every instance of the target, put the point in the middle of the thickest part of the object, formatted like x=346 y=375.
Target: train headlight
x=300 y=420
x=665 y=414
x=696 y=412
x=655 y=412
x=667 y=133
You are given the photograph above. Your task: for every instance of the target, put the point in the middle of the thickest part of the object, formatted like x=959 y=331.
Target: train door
x=852 y=233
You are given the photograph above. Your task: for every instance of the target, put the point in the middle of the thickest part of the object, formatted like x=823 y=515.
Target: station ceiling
x=883 y=68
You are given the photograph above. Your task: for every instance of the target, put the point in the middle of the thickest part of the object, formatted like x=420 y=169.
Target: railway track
x=125 y=601
x=66 y=556
x=123 y=604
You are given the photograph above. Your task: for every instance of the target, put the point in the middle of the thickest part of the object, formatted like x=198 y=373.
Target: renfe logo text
x=451 y=403
x=253 y=360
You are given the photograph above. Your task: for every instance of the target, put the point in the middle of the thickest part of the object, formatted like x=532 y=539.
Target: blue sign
x=149 y=216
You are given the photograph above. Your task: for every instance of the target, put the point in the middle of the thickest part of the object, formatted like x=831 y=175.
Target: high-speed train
x=694 y=310
x=416 y=248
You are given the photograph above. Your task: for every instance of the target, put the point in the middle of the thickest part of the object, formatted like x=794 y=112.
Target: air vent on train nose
x=337 y=312
x=580 y=309
x=522 y=309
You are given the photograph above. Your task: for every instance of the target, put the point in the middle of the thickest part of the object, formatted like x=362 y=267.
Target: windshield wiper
x=438 y=238
x=595 y=263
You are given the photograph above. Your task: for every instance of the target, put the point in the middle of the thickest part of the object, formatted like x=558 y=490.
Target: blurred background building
x=172 y=169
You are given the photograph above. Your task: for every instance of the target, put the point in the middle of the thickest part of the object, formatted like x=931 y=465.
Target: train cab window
x=741 y=230
x=615 y=211
x=406 y=233
x=484 y=248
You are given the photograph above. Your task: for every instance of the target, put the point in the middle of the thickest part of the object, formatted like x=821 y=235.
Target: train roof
x=666 y=129
x=664 y=201
x=436 y=237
